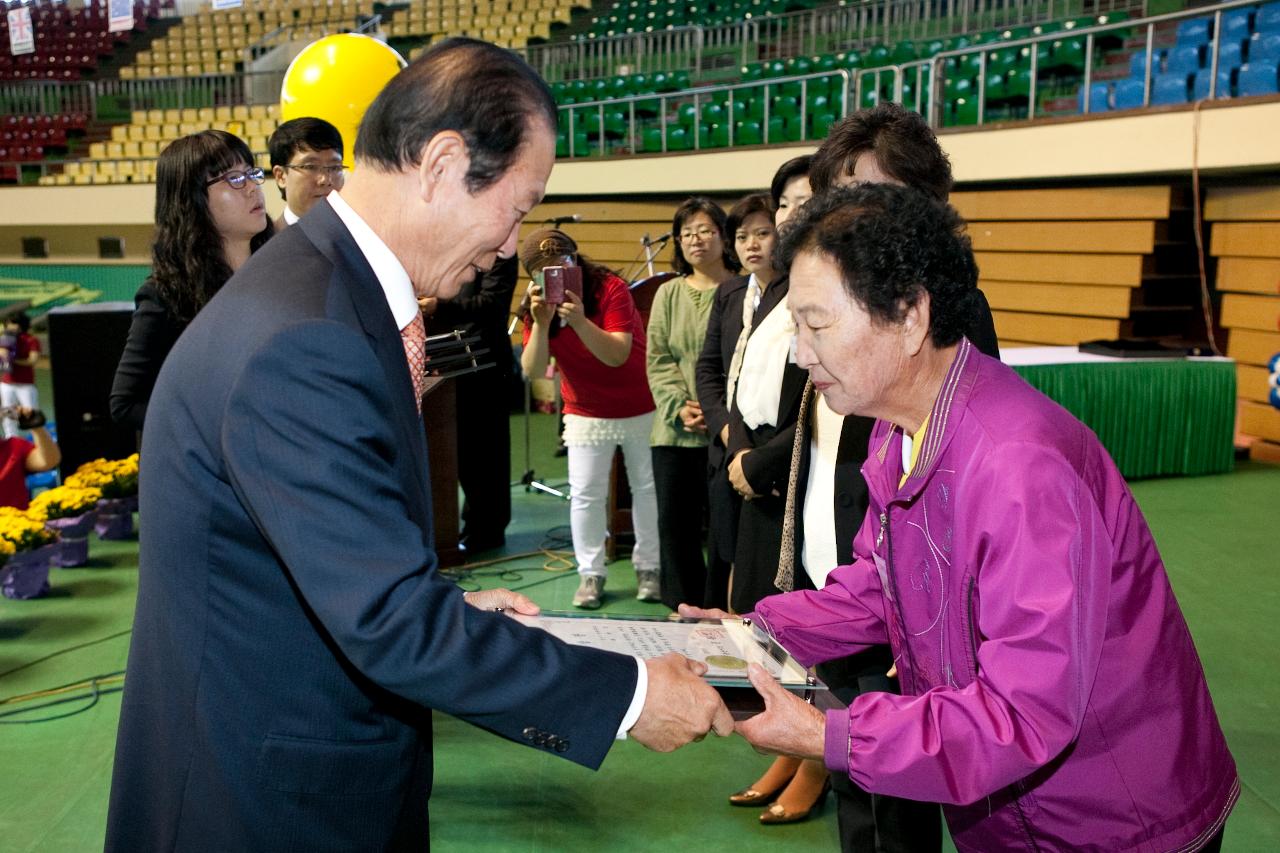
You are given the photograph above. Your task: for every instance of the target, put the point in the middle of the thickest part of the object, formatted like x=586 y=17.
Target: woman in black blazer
x=210 y=216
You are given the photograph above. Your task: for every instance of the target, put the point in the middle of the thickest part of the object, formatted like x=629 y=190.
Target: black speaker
x=85 y=343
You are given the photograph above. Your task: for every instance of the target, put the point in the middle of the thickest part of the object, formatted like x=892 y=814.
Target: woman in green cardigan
x=677 y=327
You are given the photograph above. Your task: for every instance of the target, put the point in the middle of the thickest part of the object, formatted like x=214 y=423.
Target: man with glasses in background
x=306 y=161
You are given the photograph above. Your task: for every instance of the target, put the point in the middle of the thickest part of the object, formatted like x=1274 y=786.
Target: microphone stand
x=648 y=253
x=529 y=479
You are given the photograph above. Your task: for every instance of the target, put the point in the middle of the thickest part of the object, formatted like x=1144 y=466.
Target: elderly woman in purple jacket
x=1052 y=696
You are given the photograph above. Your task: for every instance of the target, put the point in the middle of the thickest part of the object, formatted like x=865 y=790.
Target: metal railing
x=938 y=63
x=830 y=29
x=732 y=94
x=205 y=90
x=47 y=98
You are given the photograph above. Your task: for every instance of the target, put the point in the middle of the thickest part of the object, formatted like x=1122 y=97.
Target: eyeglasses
x=314 y=170
x=703 y=234
x=236 y=180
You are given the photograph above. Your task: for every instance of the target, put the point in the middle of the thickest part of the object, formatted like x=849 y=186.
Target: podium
x=440 y=421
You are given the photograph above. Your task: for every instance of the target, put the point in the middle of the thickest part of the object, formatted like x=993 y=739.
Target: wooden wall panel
x=1072 y=203
x=1121 y=270
x=1253 y=382
x=1260 y=419
x=1092 y=237
x=1086 y=300
x=1252 y=347
x=1247 y=311
x=1052 y=329
x=1248 y=204
x=1249 y=275
x=1246 y=239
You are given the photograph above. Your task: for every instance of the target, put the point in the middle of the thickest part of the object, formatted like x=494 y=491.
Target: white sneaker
x=647 y=587
x=589 y=593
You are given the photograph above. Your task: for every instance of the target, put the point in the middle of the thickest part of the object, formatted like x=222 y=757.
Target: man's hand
x=680 y=706
x=691 y=417
x=788 y=726
x=739 y=480
x=502 y=599
x=690 y=612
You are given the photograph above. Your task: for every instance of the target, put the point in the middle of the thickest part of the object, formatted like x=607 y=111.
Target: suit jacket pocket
x=309 y=766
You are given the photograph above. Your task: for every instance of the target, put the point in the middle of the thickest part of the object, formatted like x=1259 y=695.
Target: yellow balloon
x=336 y=79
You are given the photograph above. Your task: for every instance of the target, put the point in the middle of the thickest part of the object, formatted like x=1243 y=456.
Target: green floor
x=490 y=795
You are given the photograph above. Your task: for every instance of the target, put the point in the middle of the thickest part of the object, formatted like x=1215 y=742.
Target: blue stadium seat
x=1183 y=59
x=1193 y=32
x=1169 y=88
x=1230 y=55
x=1138 y=62
x=1200 y=88
x=1099 y=97
x=1128 y=94
x=1235 y=24
x=1264 y=46
x=1267 y=19
x=1257 y=78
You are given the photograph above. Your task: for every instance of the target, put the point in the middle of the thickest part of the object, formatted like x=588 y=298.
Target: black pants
x=679 y=480
x=874 y=823
x=722 y=540
x=484 y=455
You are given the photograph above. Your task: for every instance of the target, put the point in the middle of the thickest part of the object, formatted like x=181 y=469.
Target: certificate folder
x=726 y=646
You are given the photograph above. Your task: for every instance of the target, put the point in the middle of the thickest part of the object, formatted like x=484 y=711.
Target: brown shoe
x=752 y=797
x=776 y=813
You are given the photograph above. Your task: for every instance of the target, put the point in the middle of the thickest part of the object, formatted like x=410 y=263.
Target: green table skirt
x=1154 y=417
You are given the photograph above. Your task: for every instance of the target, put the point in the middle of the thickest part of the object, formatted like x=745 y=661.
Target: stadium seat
x=1257 y=78
x=1268 y=19
x=1138 y=62
x=1235 y=24
x=1099 y=97
x=1169 y=88
x=1183 y=59
x=1128 y=94
x=1193 y=32
x=1200 y=88
x=1263 y=45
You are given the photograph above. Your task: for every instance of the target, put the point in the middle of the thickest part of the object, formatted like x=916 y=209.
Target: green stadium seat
x=821 y=124
x=616 y=124
x=904 y=52
x=679 y=138
x=719 y=136
x=748 y=133
x=712 y=113
x=878 y=57
x=964 y=111
x=651 y=139
x=784 y=106
x=777 y=129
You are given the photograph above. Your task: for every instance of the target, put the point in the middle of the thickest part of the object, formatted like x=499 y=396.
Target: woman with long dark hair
x=677 y=329
x=210 y=216
x=599 y=345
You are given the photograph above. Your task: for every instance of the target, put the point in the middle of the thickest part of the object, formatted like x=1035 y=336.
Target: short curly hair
x=891 y=244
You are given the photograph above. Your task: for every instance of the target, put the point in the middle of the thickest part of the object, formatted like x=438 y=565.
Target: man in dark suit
x=306 y=162
x=292 y=632
x=482 y=308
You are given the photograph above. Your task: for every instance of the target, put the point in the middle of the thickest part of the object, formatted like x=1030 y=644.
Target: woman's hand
x=570 y=311
x=691 y=416
x=541 y=310
x=739 y=480
x=788 y=726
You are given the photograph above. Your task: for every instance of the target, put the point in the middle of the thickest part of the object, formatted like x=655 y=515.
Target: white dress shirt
x=291 y=218
x=395 y=282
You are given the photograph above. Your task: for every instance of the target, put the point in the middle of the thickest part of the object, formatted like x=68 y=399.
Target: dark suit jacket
x=152 y=333
x=769 y=463
x=711 y=375
x=291 y=630
x=279 y=223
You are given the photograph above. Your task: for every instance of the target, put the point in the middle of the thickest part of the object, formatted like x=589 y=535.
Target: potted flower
x=118 y=481
x=29 y=549
x=71 y=512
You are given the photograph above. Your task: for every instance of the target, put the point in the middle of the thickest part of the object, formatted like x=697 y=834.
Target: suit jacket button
x=562 y=745
x=529 y=733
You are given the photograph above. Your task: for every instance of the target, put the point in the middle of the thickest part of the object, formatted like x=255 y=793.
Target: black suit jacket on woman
x=291 y=631
x=152 y=333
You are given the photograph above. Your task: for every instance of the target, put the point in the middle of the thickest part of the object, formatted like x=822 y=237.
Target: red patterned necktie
x=414 y=338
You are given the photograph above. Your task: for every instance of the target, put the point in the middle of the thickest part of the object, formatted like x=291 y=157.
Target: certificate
x=726 y=646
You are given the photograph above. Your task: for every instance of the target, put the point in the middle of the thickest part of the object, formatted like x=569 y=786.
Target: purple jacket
x=1052 y=695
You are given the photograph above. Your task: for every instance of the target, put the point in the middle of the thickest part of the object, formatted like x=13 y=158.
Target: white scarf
x=771 y=346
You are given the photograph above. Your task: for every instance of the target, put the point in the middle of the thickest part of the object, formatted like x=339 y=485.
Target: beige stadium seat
x=240 y=112
x=189 y=114
x=222 y=113
x=119 y=133
x=128 y=72
x=151 y=148
x=97 y=150
x=82 y=179
x=170 y=131
x=137 y=133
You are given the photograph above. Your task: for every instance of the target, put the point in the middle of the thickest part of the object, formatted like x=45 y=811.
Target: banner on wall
x=22 y=34
x=119 y=15
x=219 y=5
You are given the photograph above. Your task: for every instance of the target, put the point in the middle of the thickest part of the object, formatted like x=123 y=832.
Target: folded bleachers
x=70 y=43
x=509 y=23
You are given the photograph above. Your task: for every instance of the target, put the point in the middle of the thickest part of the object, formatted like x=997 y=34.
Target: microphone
x=561 y=220
x=661 y=238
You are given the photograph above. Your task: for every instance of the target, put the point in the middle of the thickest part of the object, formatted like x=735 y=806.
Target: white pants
x=589 y=501
x=18 y=395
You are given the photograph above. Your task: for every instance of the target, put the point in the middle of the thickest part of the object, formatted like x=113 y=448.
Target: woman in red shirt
x=598 y=342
